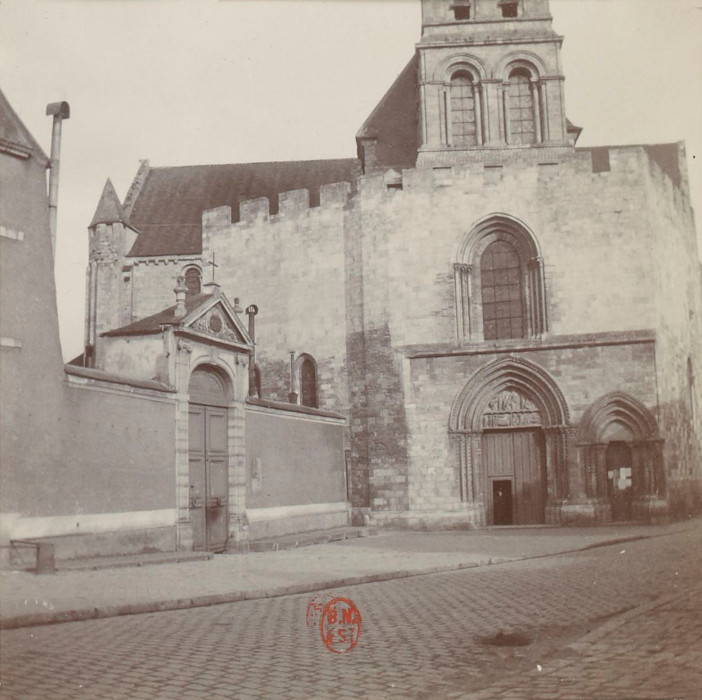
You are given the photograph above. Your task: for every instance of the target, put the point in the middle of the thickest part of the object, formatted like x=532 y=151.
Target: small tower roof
x=109 y=209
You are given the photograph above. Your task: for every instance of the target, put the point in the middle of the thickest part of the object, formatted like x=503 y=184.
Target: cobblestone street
x=621 y=621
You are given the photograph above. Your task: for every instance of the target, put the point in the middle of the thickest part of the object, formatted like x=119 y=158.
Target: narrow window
x=461 y=12
x=501 y=290
x=521 y=108
x=192 y=280
x=308 y=383
x=510 y=9
x=463 y=130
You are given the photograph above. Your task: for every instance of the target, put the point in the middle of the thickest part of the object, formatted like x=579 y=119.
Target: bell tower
x=490 y=79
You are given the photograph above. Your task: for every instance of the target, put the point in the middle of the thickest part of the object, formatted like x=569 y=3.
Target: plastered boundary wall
x=111 y=488
x=295 y=471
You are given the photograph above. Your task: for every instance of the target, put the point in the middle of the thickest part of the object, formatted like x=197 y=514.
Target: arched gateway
x=508 y=432
x=208 y=457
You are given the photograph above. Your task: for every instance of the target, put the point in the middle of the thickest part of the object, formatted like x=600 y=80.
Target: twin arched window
x=467 y=124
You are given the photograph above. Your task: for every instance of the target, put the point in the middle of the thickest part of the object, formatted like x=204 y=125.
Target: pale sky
x=232 y=81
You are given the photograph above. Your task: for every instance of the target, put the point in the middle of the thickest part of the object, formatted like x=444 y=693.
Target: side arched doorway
x=622 y=456
x=208 y=458
x=508 y=430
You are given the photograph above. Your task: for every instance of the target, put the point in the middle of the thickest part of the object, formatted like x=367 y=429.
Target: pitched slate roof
x=109 y=209
x=168 y=208
x=14 y=135
x=394 y=121
x=167 y=317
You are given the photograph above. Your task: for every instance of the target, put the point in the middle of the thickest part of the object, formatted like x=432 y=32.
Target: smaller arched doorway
x=208 y=458
x=621 y=453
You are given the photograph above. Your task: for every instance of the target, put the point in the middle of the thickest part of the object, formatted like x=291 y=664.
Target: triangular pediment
x=217 y=319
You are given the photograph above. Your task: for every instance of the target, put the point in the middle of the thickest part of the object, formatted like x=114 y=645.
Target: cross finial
x=214 y=265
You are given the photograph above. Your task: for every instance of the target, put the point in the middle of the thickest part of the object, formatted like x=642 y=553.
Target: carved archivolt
x=509 y=392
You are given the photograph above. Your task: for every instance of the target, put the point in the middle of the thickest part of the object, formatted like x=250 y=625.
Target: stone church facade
x=509 y=323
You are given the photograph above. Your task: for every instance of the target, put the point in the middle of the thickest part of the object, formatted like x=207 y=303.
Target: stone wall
x=291 y=265
x=678 y=297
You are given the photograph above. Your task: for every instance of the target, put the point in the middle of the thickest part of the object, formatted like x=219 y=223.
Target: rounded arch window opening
x=462 y=107
x=308 y=383
x=521 y=119
x=501 y=291
x=193 y=280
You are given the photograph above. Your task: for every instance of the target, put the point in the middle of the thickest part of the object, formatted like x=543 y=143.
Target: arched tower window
x=520 y=106
x=501 y=291
x=193 y=280
x=462 y=104
x=308 y=383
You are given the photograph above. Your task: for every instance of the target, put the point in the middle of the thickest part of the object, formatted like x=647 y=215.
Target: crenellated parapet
x=294 y=203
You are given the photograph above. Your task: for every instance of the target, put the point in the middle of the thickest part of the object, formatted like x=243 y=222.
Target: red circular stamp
x=340 y=625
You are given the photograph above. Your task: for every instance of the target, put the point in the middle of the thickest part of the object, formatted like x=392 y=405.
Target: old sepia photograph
x=351 y=349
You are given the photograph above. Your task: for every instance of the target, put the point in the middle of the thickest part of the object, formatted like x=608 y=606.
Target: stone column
x=543 y=101
x=478 y=106
x=537 y=109
x=462 y=284
x=505 y=112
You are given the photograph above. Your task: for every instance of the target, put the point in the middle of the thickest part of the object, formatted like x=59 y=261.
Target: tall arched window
x=193 y=278
x=499 y=283
x=501 y=288
x=308 y=383
x=463 y=123
x=520 y=105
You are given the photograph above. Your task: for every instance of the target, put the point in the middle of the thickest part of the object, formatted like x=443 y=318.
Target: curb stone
x=95 y=613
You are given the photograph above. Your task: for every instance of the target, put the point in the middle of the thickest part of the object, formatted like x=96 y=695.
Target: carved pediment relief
x=217 y=322
x=510 y=409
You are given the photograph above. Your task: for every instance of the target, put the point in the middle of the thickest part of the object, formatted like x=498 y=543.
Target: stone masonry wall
x=291 y=265
x=583 y=372
x=597 y=271
x=678 y=294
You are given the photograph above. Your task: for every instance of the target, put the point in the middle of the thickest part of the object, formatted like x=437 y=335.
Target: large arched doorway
x=208 y=451
x=508 y=428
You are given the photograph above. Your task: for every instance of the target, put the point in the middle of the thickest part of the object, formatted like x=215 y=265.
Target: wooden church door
x=515 y=472
x=209 y=465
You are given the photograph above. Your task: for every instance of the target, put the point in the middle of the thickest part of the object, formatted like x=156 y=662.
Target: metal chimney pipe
x=59 y=111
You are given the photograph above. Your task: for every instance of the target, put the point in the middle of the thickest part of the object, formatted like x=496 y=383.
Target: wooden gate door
x=516 y=456
x=209 y=482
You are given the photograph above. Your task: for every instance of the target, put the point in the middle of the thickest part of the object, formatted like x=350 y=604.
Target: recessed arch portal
x=507 y=427
x=622 y=457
